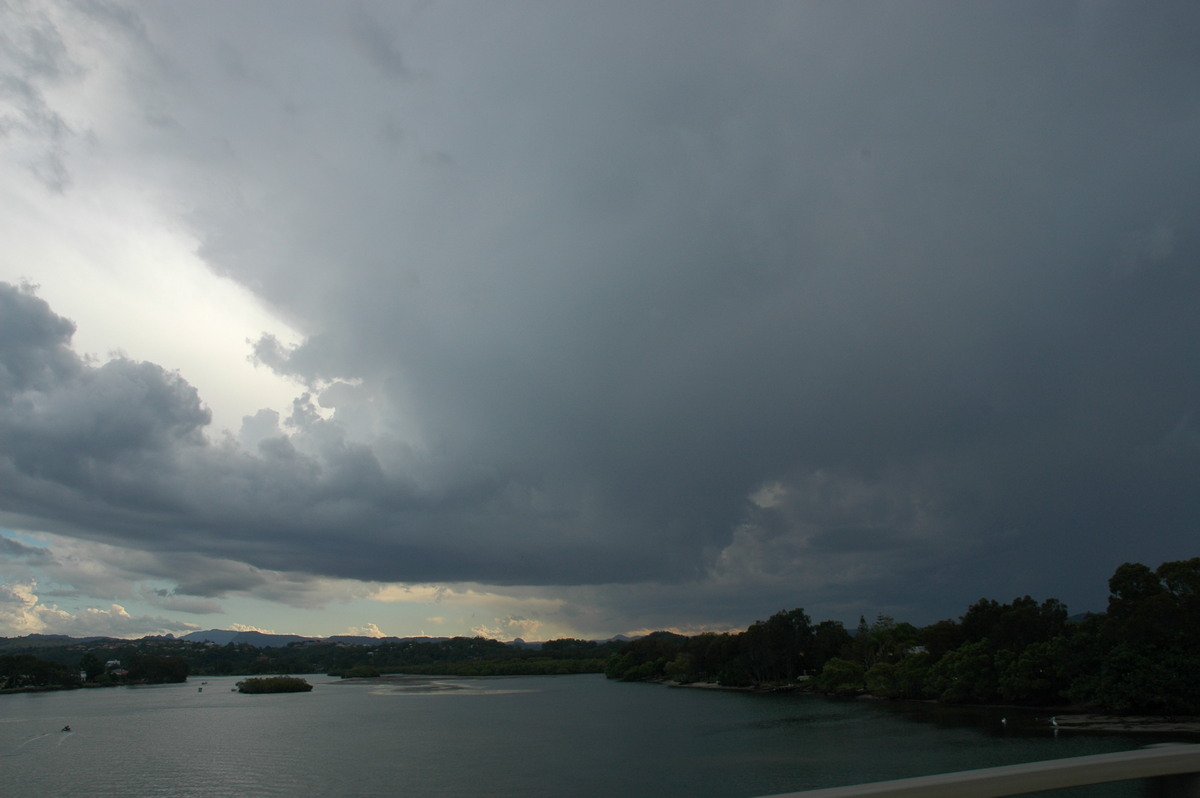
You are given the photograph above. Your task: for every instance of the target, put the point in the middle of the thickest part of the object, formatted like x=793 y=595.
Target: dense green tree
x=910 y=678
x=1130 y=587
x=830 y=639
x=570 y=646
x=890 y=641
x=26 y=671
x=941 y=638
x=842 y=677
x=880 y=680
x=1181 y=579
x=966 y=675
x=645 y=658
x=156 y=669
x=91 y=666
x=778 y=649
x=711 y=656
x=1016 y=625
x=1034 y=676
x=1142 y=655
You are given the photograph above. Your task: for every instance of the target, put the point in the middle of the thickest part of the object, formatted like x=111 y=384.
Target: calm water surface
x=520 y=736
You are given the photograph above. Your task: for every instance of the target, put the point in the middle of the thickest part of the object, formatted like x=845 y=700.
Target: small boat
x=66 y=728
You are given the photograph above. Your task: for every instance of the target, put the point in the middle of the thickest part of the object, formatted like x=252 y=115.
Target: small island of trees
x=274 y=684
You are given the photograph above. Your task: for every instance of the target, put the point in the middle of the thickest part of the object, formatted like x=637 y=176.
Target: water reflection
x=432 y=685
x=518 y=736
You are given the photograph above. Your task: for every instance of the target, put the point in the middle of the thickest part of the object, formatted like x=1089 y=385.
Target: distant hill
x=263 y=640
x=223 y=637
x=49 y=641
x=260 y=639
x=360 y=640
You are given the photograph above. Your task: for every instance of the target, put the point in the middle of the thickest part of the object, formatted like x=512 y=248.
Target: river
x=518 y=736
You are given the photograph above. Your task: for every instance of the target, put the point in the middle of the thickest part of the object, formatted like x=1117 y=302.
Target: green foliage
x=941 y=638
x=1143 y=654
x=1132 y=586
x=1014 y=626
x=569 y=646
x=459 y=656
x=1138 y=657
x=880 y=680
x=274 y=684
x=712 y=657
x=26 y=671
x=842 y=677
x=91 y=666
x=361 y=672
x=681 y=669
x=967 y=674
x=783 y=650
x=883 y=641
x=830 y=638
x=778 y=649
x=910 y=678
x=156 y=669
x=167 y=660
x=1036 y=675
x=645 y=658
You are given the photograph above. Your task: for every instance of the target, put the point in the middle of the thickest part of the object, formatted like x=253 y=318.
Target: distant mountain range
x=47 y=641
x=223 y=637
x=217 y=636
x=264 y=640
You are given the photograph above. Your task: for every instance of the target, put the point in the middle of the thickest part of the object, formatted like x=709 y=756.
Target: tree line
x=52 y=670
x=1138 y=656
x=68 y=663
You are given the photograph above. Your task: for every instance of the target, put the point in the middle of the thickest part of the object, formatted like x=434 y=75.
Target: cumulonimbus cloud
x=574 y=296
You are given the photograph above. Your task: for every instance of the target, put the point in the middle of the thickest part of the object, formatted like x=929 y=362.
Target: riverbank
x=58 y=688
x=783 y=688
x=1068 y=720
x=1148 y=724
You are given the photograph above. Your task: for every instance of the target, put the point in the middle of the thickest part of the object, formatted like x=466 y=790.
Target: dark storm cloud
x=114 y=453
x=924 y=274
x=15 y=549
x=698 y=255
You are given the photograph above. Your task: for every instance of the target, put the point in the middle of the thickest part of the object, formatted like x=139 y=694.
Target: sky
x=549 y=319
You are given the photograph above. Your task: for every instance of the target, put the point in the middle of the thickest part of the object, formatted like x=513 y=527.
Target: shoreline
x=1147 y=724
x=1065 y=718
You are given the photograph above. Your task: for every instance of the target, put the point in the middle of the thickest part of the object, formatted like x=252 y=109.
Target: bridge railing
x=1173 y=771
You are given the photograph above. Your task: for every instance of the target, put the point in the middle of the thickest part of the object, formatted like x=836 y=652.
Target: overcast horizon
x=550 y=319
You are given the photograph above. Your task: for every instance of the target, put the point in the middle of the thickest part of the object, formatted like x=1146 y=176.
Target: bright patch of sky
x=131 y=280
